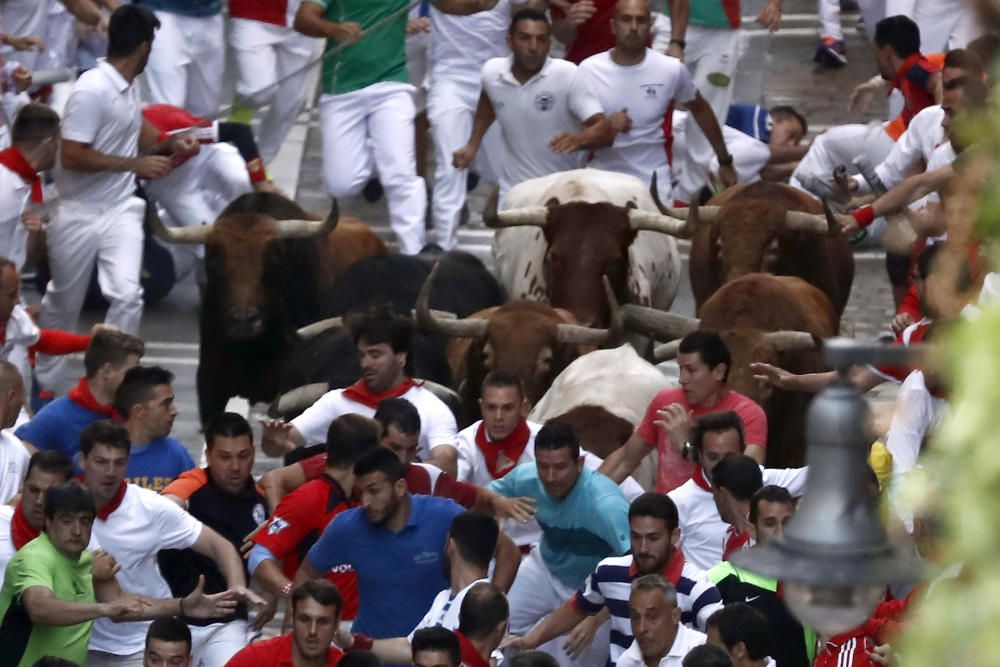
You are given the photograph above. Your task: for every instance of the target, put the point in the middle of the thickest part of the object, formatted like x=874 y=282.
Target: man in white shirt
x=647 y=84
x=384 y=341
x=133 y=524
x=105 y=145
x=660 y=638
x=13 y=454
x=540 y=106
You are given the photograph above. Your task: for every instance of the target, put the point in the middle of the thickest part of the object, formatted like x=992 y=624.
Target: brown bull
x=773 y=228
x=525 y=338
x=762 y=318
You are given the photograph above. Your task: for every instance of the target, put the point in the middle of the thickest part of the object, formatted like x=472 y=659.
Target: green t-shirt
x=380 y=55
x=714 y=13
x=22 y=643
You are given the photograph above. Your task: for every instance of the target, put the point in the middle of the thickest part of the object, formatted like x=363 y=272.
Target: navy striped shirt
x=611 y=584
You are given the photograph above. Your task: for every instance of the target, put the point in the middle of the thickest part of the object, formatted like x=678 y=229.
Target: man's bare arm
x=623 y=461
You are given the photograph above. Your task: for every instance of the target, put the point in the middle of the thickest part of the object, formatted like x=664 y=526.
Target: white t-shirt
x=20 y=334
x=460 y=45
x=15 y=195
x=647 y=90
x=104 y=111
x=750 y=155
x=13 y=464
x=530 y=115
x=917 y=412
x=437 y=423
x=922 y=136
x=444 y=610
x=143 y=525
x=703 y=532
x=685 y=640
x=7 y=549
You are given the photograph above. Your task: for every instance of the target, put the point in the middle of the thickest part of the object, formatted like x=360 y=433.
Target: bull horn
x=195 y=234
x=658 y=222
x=297 y=399
x=832 y=226
x=800 y=221
x=530 y=216
x=316 y=328
x=696 y=214
x=790 y=341
x=680 y=213
x=467 y=327
x=666 y=352
x=297 y=229
x=574 y=334
x=657 y=323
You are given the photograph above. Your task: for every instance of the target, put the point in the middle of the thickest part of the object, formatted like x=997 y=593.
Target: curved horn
x=297 y=229
x=658 y=222
x=530 y=216
x=832 y=226
x=652 y=322
x=696 y=213
x=297 y=399
x=192 y=234
x=710 y=212
x=316 y=328
x=467 y=327
x=574 y=334
x=800 y=221
x=790 y=341
x=666 y=352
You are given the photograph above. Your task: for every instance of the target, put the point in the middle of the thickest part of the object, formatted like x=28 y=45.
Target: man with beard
x=653 y=531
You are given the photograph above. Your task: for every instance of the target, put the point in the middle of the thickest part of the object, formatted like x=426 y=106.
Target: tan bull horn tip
x=297 y=399
x=446 y=323
x=193 y=234
x=791 y=341
x=530 y=216
x=576 y=334
x=490 y=210
x=801 y=221
x=316 y=328
x=292 y=229
x=657 y=222
x=666 y=352
x=657 y=323
x=832 y=226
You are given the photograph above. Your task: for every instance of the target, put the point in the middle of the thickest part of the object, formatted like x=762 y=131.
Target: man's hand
x=102 y=24
x=770 y=15
x=33 y=221
x=565 y=142
x=518 y=643
x=882 y=654
x=151 y=166
x=247 y=596
x=519 y=509
x=579 y=639
x=675 y=50
x=276 y=432
x=462 y=158
x=862 y=96
x=104 y=567
x=581 y=11
x=183 y=145
x=265 y=613
x=621 y=121
x=727 y=175
x=848 y=224
x=25 y=43
x=778 y=377
x=677 y=422
x=22 y=78
x=345 y=33
x=900 y=322
x=417 y=24
x=199 y=605
x=268 y=186
x=125 y=606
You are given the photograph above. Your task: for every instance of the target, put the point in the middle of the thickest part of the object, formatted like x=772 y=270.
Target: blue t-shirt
x=57 y=427
x=399 y=574
x=185 y=7
x=750 y=119
x=588 y=525
x=155 y=465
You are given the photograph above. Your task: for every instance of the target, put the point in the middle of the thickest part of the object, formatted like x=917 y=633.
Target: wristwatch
x=686 y=450
x=679 y=42
x=726 y=160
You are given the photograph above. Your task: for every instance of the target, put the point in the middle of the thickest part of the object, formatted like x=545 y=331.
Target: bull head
x=286 y=229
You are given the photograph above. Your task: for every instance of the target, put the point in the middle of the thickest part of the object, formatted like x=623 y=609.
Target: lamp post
x=835 y=560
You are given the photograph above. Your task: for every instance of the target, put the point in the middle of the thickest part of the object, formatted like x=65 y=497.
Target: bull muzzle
x=243 y=323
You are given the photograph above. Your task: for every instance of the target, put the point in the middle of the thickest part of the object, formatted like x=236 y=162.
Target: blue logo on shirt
x=544 y=100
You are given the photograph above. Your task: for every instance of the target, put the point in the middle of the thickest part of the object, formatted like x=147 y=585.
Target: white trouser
x=382 y=113
x=102 y=659
x=840 y=145
x=873 y=11
x=273 y=64
x=829 y=20
x=712 y=55
x=451 y=108
x=213 y=645
x=78 y=235
x=418 y=56
x=945 y=24
x=534 y=595
x=186 y=64
x=196 y=192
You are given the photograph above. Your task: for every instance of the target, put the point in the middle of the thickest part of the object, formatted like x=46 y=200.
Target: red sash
x=14 y=159
x=699 y=478
x=360 y=393
x=80 y=394
x=502 y=455
x=115 y=502
x=21 y=531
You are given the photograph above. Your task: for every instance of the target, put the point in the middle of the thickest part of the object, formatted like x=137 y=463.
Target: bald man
x=14 y=454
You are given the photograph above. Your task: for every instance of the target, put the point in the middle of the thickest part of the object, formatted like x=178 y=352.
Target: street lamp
x=835 y=560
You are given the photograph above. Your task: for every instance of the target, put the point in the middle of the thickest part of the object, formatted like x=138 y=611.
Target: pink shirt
x=674 y=469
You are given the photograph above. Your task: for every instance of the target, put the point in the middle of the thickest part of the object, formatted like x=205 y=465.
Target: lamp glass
x=830 y=610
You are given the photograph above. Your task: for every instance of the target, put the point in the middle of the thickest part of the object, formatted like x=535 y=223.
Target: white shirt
x=685 y=640
x=7 y=549
x=917 y=412
x=703 y=532
x=647 y=90
x=15 y=195
x=922 y=136
x=104 y=111
x=460 y=45
x=750 y=155
x=437 y=423
x=530 y=115
x=13 y=464
x=444 y=610
x=20 y=334
x=143 y=525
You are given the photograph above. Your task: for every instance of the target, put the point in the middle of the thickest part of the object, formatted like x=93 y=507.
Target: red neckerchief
x=510 y=447
x=21 y=531
x=119 y=496
x=735 y=541
x=14 y=159
x=672 y=572
x=699 y=478
x=360 y=393
x=470 y=655
x=80 y=394
x=910 y=61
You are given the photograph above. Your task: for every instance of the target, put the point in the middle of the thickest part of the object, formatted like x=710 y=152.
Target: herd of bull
x=589 y=260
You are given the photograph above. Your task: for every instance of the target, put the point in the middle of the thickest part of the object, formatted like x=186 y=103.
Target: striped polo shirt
x=611 y=584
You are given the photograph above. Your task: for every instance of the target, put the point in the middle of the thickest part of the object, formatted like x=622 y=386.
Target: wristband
x=726 y=160
x=286 y=590
x=864 y=215
x=255 y=168
x=679 y=42
x=362 y=642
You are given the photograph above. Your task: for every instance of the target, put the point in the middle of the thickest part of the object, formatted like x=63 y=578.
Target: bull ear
x=791 y=341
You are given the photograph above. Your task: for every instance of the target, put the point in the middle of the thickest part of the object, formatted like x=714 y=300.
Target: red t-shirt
x=418 y=480
x=593 y=35
x=276 y=652
x=674 y=469
x=265 y=11
x=297 y=523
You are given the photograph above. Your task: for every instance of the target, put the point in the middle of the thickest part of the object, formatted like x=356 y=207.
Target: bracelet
x=679 y=42
x=286 y=590
x=726 y=160
x=864 y=215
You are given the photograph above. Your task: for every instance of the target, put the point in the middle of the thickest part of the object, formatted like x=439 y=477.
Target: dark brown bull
x=773 y=228
x=762 y=318
x=525 y=338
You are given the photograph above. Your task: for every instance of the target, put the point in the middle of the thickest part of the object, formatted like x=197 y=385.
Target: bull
x=769 y=227
x=526 y=338
x=559 y=235
x=762 y=318
x=269 y=270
